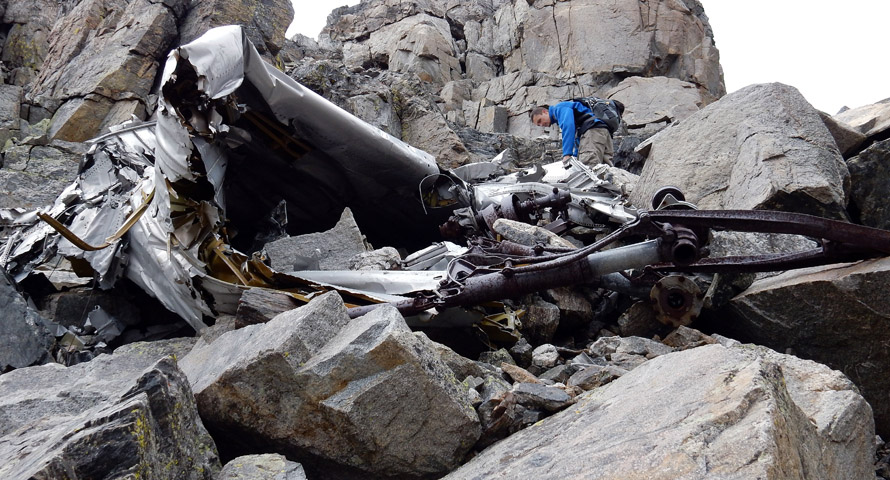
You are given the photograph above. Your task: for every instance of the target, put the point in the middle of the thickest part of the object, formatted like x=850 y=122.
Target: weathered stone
x=499 y=416
x=545 y=356
x=131 y=414
x=521 y=351
x=870 y=176
x=455 y=93
x=26 y=45
x=847 y=138
x=604 y=346
x=108 y=52
x=264 y=21
x=537 y=396
x=33 y=176
x=76 y=119
x=496 y=357
x=386 y=258
x=330 y=250
x=335 y=384
x=10 y=106
x=461 y=366
x=656 y=100
x=642 y=346
x=834 y=314
x=419 y=44
x=358 y=21
x=480 y=67
x=270 y=466
x=684 y=338
x=24 y=339
x=627 y=361
x=492 y=119
x=580 y=37
x=518 y=374
x=529 y=235
x=595 y=376
x=639 y=320
x=733 y=413
x=541 y=321
x=760 y=147
x=558 y=374
x=575 y=309
x=259 y=305
x=377 y=111
x=429 y=131
x=872 y=120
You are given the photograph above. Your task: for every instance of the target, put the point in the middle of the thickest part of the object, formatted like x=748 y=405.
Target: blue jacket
x=566 y=115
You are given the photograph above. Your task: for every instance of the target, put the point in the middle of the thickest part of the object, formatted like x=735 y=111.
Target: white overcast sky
x=834 y=52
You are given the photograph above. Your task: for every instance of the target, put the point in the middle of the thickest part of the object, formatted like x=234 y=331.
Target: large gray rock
x=429 y=131
x=329 y=250
x=34 y=175
x=100 y=53
x=127 y=415
x=708 y=412
x=10 y=111
x=24 y=339
x=836 y=315
x=322 y=388
x=870 y=177
x=530 y=235
x=377 y=111
x=848 y=139
x=761 y=147
x=269 y=466
x=872 y=120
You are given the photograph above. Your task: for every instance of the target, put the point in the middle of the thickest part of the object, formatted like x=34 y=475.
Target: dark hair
x=539 y=110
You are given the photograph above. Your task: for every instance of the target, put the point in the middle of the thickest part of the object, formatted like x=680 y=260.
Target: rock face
x=265 y=21
x=131 y=414
x=106 y=69
x=870 y=175
x=762 y=147
x=835 y=315
x=356 y=392
x=507 y=55
x=708 y=412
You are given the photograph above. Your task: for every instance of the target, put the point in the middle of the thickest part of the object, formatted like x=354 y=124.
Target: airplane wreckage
x=180 y=207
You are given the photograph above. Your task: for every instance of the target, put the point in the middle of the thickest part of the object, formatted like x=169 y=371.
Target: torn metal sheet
x=394 y=282
x=168 y=203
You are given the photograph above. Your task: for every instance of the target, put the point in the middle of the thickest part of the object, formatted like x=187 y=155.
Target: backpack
x=609 y=111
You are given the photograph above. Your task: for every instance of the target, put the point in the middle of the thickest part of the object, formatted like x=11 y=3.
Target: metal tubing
x=614 y=260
